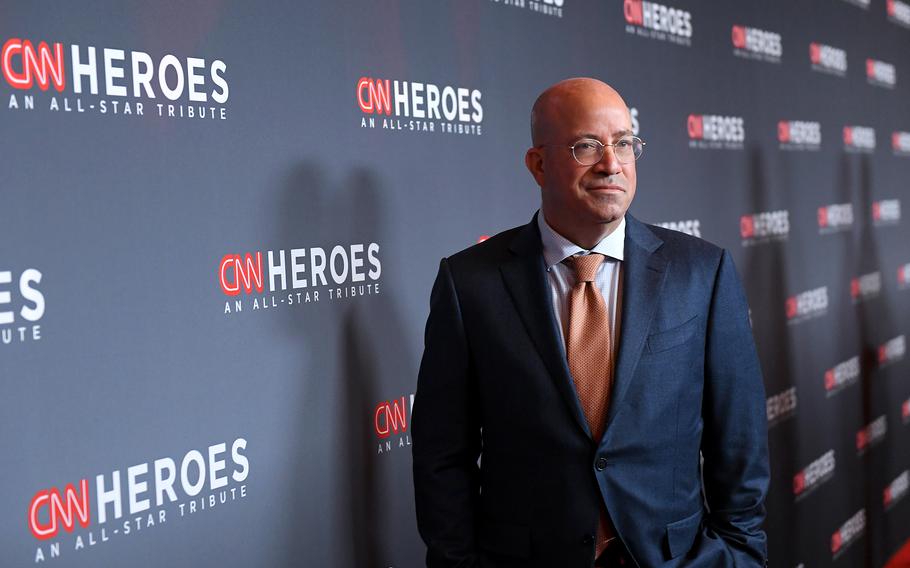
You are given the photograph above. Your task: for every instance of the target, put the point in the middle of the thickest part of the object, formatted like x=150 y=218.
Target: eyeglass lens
x=589 y=152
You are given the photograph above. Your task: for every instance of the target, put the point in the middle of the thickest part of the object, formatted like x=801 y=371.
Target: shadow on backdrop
x=357 y=357
x=766 y=280
x=874 y=323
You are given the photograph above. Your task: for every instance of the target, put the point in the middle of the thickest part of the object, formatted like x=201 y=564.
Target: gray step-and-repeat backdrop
x=220 y=222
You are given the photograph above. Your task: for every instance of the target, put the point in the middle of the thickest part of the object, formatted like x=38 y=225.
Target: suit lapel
x=644 y=269
x=525 y=278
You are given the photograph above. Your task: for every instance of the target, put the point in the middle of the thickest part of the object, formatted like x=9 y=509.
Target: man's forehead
x=600 y=115
x=577 y=108
x=601 y=122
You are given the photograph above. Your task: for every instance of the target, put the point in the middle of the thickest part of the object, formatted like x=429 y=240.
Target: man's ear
x=534 y=163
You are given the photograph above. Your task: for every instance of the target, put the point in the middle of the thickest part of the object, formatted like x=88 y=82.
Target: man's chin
x=611 y=215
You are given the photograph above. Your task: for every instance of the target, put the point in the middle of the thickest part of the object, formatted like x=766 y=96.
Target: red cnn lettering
x=829 y=379
x=632 y=10
x=739 y=37
x=247 y=273
x=822 y=216
x=887 y=498
x=836 y=542
x=374 y=95
x=366 y=105
x=799 y=483
x=791 y=307
x=895 y=141
x=890 y=8
x=75 y=508
x=870 y=68
x=815 y=53
x=876 y=211
x=746 y=226
x=43 y=65
x=783 y=131
x=390 y=417
x=695 y=126
x=854 y=287
x=848 y=135
x=862 y=439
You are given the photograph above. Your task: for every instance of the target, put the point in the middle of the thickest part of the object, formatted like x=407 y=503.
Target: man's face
x=573 y=194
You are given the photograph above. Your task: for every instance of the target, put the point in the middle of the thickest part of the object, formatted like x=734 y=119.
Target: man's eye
x=585 y=146
x=623 y=143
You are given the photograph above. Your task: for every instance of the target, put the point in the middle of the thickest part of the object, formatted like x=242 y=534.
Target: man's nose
x=608 y=162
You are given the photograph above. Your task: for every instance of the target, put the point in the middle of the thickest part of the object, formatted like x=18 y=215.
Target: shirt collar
x=557 y=248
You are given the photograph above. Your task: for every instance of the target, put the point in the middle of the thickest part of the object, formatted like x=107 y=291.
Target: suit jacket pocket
x=668 y=339
x=506 y=539
x=681 y=534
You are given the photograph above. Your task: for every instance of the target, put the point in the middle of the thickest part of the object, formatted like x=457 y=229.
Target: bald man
x=577 y=371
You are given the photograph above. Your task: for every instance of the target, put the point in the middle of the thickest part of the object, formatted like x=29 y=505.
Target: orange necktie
x=590 y=355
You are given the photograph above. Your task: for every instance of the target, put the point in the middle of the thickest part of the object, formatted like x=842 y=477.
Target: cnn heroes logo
x=859 y=139
x=657 y=21
x=828 y=59
x=150 y=494
x=871 y=434
x=866 y=286
x=419 y=107
x=298 y=276
x=764 y=227
x=807 y=305
x=781 y=405
x=881 y=74
x=690 y=226
x=132 y=81
x=390 y=421
x=21 y=306
x=835 y=217
x=753 y=43
x=712 y=132
x=886 y=212
x=896 y=490
x=799 y=135
x=546 y=7
x=898 y=12
x=892 y=351
x=813 y=475
x=842 y=375
x=848 y=533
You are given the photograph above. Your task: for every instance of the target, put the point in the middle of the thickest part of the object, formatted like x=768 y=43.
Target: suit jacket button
x=601 y=464
x=588 y=539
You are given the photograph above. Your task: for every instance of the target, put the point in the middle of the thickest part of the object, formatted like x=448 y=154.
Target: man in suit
x=576 y=371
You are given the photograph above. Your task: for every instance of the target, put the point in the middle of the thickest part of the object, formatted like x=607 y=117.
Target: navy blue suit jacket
x=494 y=384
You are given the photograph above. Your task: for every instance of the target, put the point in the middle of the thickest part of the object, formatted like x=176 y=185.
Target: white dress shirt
x=561 y=277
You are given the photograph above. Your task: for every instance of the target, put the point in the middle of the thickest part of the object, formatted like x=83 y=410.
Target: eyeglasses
x=589 y=151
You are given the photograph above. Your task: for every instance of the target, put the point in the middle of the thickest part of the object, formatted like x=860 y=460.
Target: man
x=577 y=368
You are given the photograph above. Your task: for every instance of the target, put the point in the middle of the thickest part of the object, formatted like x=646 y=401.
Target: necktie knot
x=586 y=266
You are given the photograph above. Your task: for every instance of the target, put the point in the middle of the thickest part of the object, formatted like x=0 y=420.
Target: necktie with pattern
x=590 y=356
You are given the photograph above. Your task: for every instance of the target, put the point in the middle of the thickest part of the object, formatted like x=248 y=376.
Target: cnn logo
x=68 y=508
